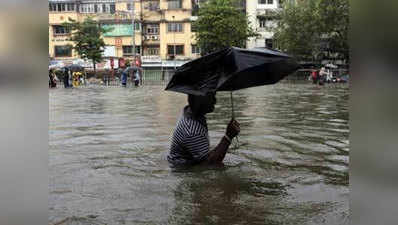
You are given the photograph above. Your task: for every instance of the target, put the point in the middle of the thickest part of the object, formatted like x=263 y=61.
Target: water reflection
x=221 y=197
x=108 y=163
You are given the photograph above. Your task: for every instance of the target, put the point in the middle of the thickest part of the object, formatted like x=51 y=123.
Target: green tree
x=87 y=37
x=221 y=24
x=335 y=20
x=314 y=29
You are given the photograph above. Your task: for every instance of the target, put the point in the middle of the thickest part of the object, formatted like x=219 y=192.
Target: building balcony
x=153 y=6
x=267 y=12
x=151 y=39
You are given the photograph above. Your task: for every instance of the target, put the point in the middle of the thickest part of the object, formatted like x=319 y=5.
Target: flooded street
x=108 y=148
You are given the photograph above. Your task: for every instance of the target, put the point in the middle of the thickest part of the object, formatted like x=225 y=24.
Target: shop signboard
x=118 y=30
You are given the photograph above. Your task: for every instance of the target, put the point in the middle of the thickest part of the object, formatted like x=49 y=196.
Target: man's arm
x=217 y=155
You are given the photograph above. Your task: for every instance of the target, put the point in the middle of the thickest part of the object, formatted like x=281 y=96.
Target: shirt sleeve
x=198 y=146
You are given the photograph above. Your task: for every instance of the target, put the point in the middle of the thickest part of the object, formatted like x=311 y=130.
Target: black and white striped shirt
x=190 y=142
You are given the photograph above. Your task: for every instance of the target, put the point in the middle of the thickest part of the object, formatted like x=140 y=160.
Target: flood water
x=108 y=147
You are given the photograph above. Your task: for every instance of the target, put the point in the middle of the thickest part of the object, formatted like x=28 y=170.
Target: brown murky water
x=108 y=165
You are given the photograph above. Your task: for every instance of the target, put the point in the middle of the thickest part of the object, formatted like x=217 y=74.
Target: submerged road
x=108 y=147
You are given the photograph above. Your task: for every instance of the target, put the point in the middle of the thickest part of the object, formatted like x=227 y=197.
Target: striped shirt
x=190 y=142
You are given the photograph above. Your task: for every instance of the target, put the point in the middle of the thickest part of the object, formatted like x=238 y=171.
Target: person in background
x=75 y=77
x=70 y=78
x=52 y=82
x=314 y=75
x=137 y=78
x=66 y=77
x=81 y=79
x=322 y=76
x=124 y=76
x=190 y=144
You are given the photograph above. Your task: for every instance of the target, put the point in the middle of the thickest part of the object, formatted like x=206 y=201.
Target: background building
x=162 y=33
x=261 y=15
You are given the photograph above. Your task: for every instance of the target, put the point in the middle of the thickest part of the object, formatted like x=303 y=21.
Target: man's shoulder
x=191 y=126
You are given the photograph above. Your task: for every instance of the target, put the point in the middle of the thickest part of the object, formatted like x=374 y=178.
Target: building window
x=129 y=6
x=137 y=26
x=195 y=49
x=71 y=7
x=178 y=48
x=174 y=27
x=128 y=50
x=52 y=7
x=63 y=51
x=152 y=50
x=195 y=7
x=174 y=4
x=265 y=22
x=99 y=8
x=152 y=29
x=269 y=43
x=193 y=28
x=87 y=8
x=263 y=2
x=112 y=8
x=61 y=7
x=262 y=22
x=60 y=30
x=153 y=6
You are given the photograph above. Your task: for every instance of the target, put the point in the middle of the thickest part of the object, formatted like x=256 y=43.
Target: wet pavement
x=108 y=147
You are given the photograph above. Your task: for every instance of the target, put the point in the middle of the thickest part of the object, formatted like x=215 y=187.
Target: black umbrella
x=75 y=67
x=232 y=69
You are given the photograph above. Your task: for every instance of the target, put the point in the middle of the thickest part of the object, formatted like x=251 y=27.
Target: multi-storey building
x=261 y=14
x=59 y=12
x=168 y=39
x=162 y=32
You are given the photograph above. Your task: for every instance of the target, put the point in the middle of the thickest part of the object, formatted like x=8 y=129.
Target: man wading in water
x=190 y=142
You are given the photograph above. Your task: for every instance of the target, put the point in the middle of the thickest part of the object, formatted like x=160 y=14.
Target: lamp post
x=174 y=37
x=132 y=21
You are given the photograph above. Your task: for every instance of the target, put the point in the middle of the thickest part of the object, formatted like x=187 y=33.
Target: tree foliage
x=221 y=24
x=314 y=29
x=87 y=37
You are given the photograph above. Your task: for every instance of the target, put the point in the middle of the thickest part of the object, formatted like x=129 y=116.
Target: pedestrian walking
x=315 y=76
x=52 y=82
x=66 y=77
x=124 y=76
x=137 y=78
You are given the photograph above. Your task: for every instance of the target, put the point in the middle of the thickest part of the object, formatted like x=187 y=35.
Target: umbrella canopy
x=75 y=67
x=232 y=69
x=331 y=66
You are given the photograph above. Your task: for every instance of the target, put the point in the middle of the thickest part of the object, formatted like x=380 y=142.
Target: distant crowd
x=325 y=75
x=71 y=78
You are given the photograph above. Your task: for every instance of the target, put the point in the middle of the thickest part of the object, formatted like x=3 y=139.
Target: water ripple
x=108 y=165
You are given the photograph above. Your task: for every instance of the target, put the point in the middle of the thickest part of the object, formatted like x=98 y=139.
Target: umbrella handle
x=232 y=106
x=233 y=117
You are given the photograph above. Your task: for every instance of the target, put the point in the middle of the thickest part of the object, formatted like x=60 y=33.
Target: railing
x=157 y=77
x=148 y=77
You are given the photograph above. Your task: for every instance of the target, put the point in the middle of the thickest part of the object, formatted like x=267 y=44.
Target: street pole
x=132 y=21
x=174 y=37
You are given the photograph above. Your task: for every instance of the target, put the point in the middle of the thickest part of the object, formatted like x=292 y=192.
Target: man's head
x=200 y=105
